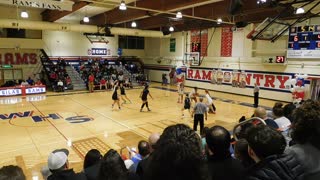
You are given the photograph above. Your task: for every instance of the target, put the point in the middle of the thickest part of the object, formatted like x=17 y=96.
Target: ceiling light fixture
x=171 y=29
x=133 y=24
x=86 y=19
x=179 y=15
x=24 y=14
x=300 y=10
x=219 y=21
x=123 y=6
x=261 y=1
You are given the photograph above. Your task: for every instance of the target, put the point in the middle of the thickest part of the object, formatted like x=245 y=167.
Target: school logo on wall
x=18 y=58
x=266 y=80
x=41 y=118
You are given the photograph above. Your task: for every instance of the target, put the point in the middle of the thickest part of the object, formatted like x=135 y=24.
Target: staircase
x=76 y=81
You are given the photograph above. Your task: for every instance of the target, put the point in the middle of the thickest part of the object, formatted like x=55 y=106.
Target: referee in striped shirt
x=199 y=113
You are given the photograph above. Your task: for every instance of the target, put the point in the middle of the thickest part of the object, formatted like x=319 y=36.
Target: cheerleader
x=115 y=96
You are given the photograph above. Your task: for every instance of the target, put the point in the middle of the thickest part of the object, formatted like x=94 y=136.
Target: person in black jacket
x=266 y=148
x=91 y=164
x=59 y=167
x=220 y=163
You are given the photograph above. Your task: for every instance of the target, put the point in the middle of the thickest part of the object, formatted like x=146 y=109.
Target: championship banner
x=43 y=4
x=242 y=79
x=226 y=42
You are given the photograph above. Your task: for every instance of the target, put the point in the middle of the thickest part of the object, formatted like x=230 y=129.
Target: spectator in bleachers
x=143 y=152
x=282 y=122
x=24 y=83
x=91 y=164
x=103 y=82
x=68 y=81
x=178 y=156
x=266 y=147
x=30 y=81
x=262 y=113
x=241 y=153
x=306 y=135
x=113 y=168
x=59 y=166
x=220 y=163
x=11 y=172
x=144 y=163
x=60 y=86
x=288 y=110
x=38 y=82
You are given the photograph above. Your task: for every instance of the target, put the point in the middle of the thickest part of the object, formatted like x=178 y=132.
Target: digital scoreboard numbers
x=304 y=42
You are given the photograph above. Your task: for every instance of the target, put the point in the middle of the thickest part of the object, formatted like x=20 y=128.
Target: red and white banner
x=199 y=41
x=268 y=80
x=226 y=42
x=18 y=58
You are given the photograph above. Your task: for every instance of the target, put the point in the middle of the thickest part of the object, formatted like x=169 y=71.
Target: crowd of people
x=58 y=76
x=282 y=145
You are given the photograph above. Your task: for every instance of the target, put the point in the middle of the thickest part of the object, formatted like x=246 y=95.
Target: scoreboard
x=304 y=42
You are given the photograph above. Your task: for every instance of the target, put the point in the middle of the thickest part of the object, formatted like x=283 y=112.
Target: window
x=131 y=42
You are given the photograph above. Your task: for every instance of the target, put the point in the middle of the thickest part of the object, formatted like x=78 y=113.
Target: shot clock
x=280 y=59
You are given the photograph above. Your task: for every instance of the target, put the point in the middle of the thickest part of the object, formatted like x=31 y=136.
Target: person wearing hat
x=59 y=167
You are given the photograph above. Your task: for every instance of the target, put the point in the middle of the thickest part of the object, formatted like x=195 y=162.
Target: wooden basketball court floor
x=27 y=143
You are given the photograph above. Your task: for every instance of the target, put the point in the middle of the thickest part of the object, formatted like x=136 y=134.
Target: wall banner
x=226 y=42
x=242 y=79
x=65 y=5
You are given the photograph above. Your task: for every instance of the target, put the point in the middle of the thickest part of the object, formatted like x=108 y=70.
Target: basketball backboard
x=192 y=58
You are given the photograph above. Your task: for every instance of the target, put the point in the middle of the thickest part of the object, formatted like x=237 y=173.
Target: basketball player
x=180 y=93
x=123 y=93
x=187 y=105
x=193 y=94
x=115 y=96
x=211 y=106
x=144 y=96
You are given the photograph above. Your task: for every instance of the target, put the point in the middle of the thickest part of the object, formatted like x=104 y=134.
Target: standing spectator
x=11 y=173
x=306 y=135
x=59 y=166
x=91 y=82
x=199 y=113
x=113 y=168
x=266 y=147
x=256 y=90
x=178 y=156
x=220 y=163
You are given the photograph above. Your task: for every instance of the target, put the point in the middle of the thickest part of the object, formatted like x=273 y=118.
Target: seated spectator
x=306 y=134
x=30 y=81
x=91 y=164
x=24 y=83
x=103 y=82
x=38 y=82
x=60 y=86
x=143 y=152
x=220 y=163
x=59 y=166
x=266 y=147
x=68 y=80
x=144 y=163
x=262 y=113
x=178 y=156
x=11 y=172
x=288 y=110
x=113 y=168
x=241 y=153
x=283 y=122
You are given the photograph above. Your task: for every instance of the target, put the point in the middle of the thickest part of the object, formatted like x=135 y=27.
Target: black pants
x=256 y=99
x=198 y=118
x=214 y=107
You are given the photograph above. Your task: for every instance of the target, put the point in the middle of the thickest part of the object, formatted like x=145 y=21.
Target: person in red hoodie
x=91 y=82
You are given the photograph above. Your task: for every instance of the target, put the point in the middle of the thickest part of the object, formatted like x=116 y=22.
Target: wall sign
x=99 y=52
x=35 y=90
x=266 y=80
x=172 y=44
x=10 y=92
x=18 y=58
x=43 y=4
